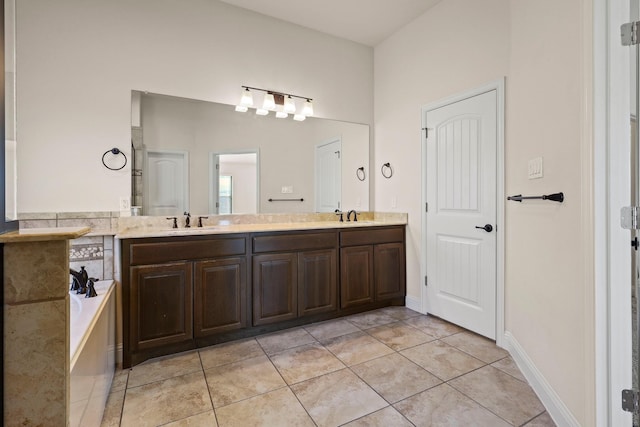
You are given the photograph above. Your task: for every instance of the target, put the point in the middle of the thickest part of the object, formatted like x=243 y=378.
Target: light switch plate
x=125 y=204
x=287 y=189
x=535 y=168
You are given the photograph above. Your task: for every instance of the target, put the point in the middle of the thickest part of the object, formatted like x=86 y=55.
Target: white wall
x=243 y=183
x=537 y=45
x=79 y=60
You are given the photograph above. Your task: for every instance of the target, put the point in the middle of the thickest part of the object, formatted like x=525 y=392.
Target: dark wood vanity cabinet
x=182 y=292
x=220 y=296
x=179 y=290
x=160 y=305
x=372 y=266
x=296 y=277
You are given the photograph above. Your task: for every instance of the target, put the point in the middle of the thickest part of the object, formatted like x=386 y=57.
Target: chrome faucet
x=355 y=215
x=187 y=221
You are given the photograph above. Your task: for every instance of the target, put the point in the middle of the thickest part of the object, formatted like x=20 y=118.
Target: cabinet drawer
x=156 y=252
x=294 y=242
x=371 y=236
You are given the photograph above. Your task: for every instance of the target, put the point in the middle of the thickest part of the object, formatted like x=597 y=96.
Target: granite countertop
x=136 y=233
x=43 y=234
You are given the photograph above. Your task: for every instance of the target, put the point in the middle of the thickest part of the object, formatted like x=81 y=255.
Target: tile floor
x=388 y=367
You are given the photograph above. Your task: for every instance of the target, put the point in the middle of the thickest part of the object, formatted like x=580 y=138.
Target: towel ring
x=360 y=173
x=114 y=159
x=386 y=170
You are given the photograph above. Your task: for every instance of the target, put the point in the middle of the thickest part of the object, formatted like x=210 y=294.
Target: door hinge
x=629 y=33
x=630 y=401
x=629 y=217
x=217 y=166
x=426 y=207
x=426 y=281
x=635 y=243
x=426 y=132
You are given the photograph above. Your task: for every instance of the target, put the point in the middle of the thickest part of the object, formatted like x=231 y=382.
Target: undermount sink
x=194 y=230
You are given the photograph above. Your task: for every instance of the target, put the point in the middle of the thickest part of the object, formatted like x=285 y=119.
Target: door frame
x=212 y=173
x=608 y=126
x=498 y=86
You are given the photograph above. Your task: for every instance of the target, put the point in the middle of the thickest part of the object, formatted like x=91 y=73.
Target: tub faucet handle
x=187 y=220
x=355 y=215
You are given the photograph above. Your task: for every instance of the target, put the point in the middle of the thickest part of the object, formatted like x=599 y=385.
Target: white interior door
x=166 y=186
x=461 y=225
x=328 y=179
x=214 y=183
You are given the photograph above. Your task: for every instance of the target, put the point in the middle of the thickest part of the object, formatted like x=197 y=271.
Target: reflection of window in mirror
x=225 y=194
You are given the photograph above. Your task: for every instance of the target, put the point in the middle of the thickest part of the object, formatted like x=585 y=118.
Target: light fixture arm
x=275 y=92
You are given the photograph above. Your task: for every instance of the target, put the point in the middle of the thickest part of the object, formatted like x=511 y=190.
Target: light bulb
x=289 y=105
x=241 y=108
x=281 y=115
x=307 y=110
x=247 y=98
x=269 y=102
x=262 y=112
x=299 y=117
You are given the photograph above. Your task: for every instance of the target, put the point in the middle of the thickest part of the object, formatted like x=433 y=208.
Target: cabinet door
x=389 y=270
x=317 y=282
x=356 y=276
x=161 y=305
x=220 y=302
x=275 y=291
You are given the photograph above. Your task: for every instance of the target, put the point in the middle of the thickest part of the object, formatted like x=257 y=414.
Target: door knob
x=488 y=228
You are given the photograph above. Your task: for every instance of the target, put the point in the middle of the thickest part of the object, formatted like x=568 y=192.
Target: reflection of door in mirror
x=328 y=175
x=10 y=110
x=166 y=185
x=233 y=186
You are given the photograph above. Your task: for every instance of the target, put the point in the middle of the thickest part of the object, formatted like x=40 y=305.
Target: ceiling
x=363 y=21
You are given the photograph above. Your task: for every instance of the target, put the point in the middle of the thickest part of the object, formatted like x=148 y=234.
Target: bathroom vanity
x=185 y=289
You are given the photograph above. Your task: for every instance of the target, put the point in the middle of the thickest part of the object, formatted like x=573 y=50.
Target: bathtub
x=92 y=353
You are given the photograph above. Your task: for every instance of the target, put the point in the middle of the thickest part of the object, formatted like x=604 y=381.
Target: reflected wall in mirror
x=288 y=160
x=10 y=172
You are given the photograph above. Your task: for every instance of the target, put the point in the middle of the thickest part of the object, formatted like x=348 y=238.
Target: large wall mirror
x=206 y=158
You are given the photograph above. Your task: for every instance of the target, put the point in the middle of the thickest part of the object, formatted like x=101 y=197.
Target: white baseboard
x=547 y=395
x=413 y=303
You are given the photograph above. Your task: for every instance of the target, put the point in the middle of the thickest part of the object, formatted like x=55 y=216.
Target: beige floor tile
x=387 y=417
x=370 y=319
x=241 y=380
x=229 y=352
x=399 y=335
x=499 y=392
x=479 y=347
x=165 y=401
x=290 y=338
x=434 y=326
x=337 y=398
x=394 y=377
x=205 y=419
x=445 y=406
x=442 y=360
x=356 y=348
x=331 y=329
x=120 y=378
x=277 y=408
x=509 y=366
x=542 y=420
x=163 y=368
x=400 y=312
x=113 y=409
x=308 y=361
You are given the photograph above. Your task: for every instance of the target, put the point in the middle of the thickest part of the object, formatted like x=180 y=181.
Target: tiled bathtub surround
x=388 y=367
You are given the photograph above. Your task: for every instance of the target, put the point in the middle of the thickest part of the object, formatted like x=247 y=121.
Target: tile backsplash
x=94 y=251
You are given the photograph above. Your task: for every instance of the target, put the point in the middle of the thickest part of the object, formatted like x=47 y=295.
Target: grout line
x=213 y=408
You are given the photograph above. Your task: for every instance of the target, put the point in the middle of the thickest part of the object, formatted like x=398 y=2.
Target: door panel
x=317 y=282
x=166 y=184
x=275 y=290
x=356 y=276
x=328 y=179
x=461 y=194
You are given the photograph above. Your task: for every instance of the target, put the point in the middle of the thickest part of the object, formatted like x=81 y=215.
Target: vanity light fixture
x=282 y=103
x=269 y=102
x=289 y=105
x=307 y=109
